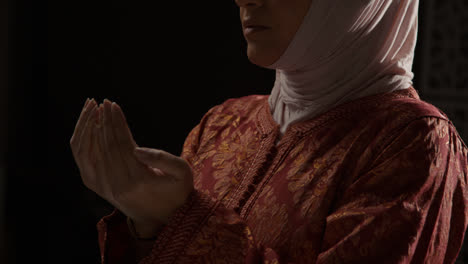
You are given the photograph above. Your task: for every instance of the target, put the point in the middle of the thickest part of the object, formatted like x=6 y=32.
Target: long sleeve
x=411 y=207
x=202 y=228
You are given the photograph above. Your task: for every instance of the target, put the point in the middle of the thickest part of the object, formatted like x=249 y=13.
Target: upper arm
x=409 y=207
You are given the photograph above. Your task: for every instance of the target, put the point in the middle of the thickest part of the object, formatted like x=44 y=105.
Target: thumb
x=166 y=162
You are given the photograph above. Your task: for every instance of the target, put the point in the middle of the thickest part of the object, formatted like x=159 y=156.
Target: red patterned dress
x=382 y=179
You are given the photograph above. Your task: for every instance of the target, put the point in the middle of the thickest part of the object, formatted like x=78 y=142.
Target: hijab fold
x=342 y=51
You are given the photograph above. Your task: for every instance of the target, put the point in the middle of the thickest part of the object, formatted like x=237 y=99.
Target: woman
x=341 y=163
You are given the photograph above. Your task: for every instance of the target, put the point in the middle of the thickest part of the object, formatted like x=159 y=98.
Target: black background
x=164 y=62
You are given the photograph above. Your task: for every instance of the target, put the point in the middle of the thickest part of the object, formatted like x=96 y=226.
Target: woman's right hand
x=147 y=187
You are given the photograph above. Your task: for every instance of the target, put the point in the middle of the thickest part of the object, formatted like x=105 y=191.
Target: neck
x=369 y=50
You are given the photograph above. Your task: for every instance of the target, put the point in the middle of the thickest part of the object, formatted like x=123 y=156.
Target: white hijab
x=344 y=50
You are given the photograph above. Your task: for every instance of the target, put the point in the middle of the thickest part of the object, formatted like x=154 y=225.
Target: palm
x=148 y=187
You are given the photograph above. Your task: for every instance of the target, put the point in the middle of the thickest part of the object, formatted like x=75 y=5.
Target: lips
x=254 y=29
x=251 y=26
x=257 y=27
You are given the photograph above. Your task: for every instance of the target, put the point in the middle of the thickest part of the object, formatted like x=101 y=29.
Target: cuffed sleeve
x=115 y=241
x=201 y=231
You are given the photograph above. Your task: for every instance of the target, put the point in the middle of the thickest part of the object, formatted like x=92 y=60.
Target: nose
x=248 y=3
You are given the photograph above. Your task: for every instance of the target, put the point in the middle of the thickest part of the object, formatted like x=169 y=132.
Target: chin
x=260 y=57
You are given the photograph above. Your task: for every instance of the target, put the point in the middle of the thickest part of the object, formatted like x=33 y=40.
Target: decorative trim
x=182 y=227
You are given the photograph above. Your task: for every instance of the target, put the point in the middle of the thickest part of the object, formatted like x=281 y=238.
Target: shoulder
x=382 y=120
x=225 y=117
x=242 y=108
x=414 y=119
x=394 y=113
x=241 y=105
x=407 y=130
x=232 y=113
x=406 y=106
x=415 y=108
x=383 y=114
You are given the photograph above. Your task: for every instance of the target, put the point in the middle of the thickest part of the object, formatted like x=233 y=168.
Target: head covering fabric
x=344 y=50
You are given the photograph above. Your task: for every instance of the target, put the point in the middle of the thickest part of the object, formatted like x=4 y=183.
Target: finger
x=104 y=159
x=82 y=114
x=101 y=180
x=109 y=142
x=97 y=147
x=75 y=142
x=82 y=126
x=111 y=147
x=127 y=144
x=124 y=139
x=101 y=130
x=122 y=133
x=79 y=123
x=99 y=116
x=93 y=135
x=86 y=156
x=83 y=146
x=166 y=162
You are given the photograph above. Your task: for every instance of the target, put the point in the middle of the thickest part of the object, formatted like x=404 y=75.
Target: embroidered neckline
x=267 y=124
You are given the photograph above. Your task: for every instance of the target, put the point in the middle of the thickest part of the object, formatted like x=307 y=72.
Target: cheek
x=266 y=49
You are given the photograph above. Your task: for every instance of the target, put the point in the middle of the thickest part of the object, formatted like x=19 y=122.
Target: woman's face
x=269 y=26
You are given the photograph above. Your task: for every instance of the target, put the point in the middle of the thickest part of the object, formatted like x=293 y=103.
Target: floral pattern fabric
x=381 y=179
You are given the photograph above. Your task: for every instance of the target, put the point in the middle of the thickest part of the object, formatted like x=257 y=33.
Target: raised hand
x=147 y=185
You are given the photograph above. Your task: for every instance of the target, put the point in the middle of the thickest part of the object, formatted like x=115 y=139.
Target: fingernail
x=92 y=102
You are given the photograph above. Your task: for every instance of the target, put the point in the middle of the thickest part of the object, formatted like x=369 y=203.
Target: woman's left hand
x=147 y=185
